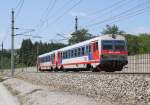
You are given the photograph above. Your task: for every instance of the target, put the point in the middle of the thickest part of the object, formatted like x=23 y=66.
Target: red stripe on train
x=113 y=52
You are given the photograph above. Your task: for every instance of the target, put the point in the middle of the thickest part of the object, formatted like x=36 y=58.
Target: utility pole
x=12 y=44
x=2 y=57
x=76 y=24
x=37 y=53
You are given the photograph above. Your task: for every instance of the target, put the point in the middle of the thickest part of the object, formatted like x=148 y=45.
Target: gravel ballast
x=121 y=89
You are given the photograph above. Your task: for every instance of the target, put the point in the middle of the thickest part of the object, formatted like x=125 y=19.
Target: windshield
x=114 y=45
x=119 y=45
x=107 y=45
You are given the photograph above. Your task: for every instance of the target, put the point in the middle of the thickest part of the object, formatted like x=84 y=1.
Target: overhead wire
x=18 y=4
x=48 y=10
x=44 y=16
x=19 y=8
x=63 y=6
x=107 y=8
x=144 y=10
x=60 y=16
x=66 y=11
x=110 y=10
x=120 y=14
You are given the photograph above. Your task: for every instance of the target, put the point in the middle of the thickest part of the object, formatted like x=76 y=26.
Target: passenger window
x=83 y=51
x=75 y=54
x=65 y=54
x=49 y=58
x=79 y=51
x=68 y=54
x=87 y=49
x=71 y=53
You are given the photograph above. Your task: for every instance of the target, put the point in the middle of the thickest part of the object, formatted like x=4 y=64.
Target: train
x=103 y=53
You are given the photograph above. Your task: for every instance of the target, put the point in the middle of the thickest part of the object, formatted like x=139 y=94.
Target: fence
x=138 y=64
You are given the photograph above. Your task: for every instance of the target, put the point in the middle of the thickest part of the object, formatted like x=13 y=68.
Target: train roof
x=102 y=37
x=108 y=37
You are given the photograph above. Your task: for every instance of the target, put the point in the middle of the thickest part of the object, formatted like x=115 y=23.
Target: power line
x=18 y=4
x=107 y=8
x=59 y=17
x=132 y=15
x=45 y=15
x=19 y=7
x=111 y=9
x=120 y=14
x=69 y=9
x=62 y=7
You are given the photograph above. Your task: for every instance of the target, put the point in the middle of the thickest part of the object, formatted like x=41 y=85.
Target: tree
x=144 y=43
x=29 y=51
x=79 y=36
x=26 y=52
x=132 y=44
x=138 y=44
x=112 y=30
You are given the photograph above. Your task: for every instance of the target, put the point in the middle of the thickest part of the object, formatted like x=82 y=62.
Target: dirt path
x=30 y=94
x=5 y=97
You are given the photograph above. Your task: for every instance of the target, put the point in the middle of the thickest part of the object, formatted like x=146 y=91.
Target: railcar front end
x=113 y=55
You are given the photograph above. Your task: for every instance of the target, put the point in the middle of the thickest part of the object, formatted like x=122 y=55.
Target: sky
x=49 y=17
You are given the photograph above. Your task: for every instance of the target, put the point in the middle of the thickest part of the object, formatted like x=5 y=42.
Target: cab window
x=107 y=45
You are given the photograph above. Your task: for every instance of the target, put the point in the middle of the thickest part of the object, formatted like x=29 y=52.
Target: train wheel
x=96 y=69
x=89 y=67
x=38 y=69
x=56 y=69
x=61 y=68
x=51 y=69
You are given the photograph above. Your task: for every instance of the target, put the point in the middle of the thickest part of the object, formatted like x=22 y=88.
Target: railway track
x=90 y=72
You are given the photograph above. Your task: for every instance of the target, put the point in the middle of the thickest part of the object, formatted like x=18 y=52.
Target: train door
x=58 y=58
x=53 y=59
x=88 y=48
x=95 y=50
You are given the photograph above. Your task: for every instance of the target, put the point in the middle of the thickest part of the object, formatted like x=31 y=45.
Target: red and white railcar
x=106 y=52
